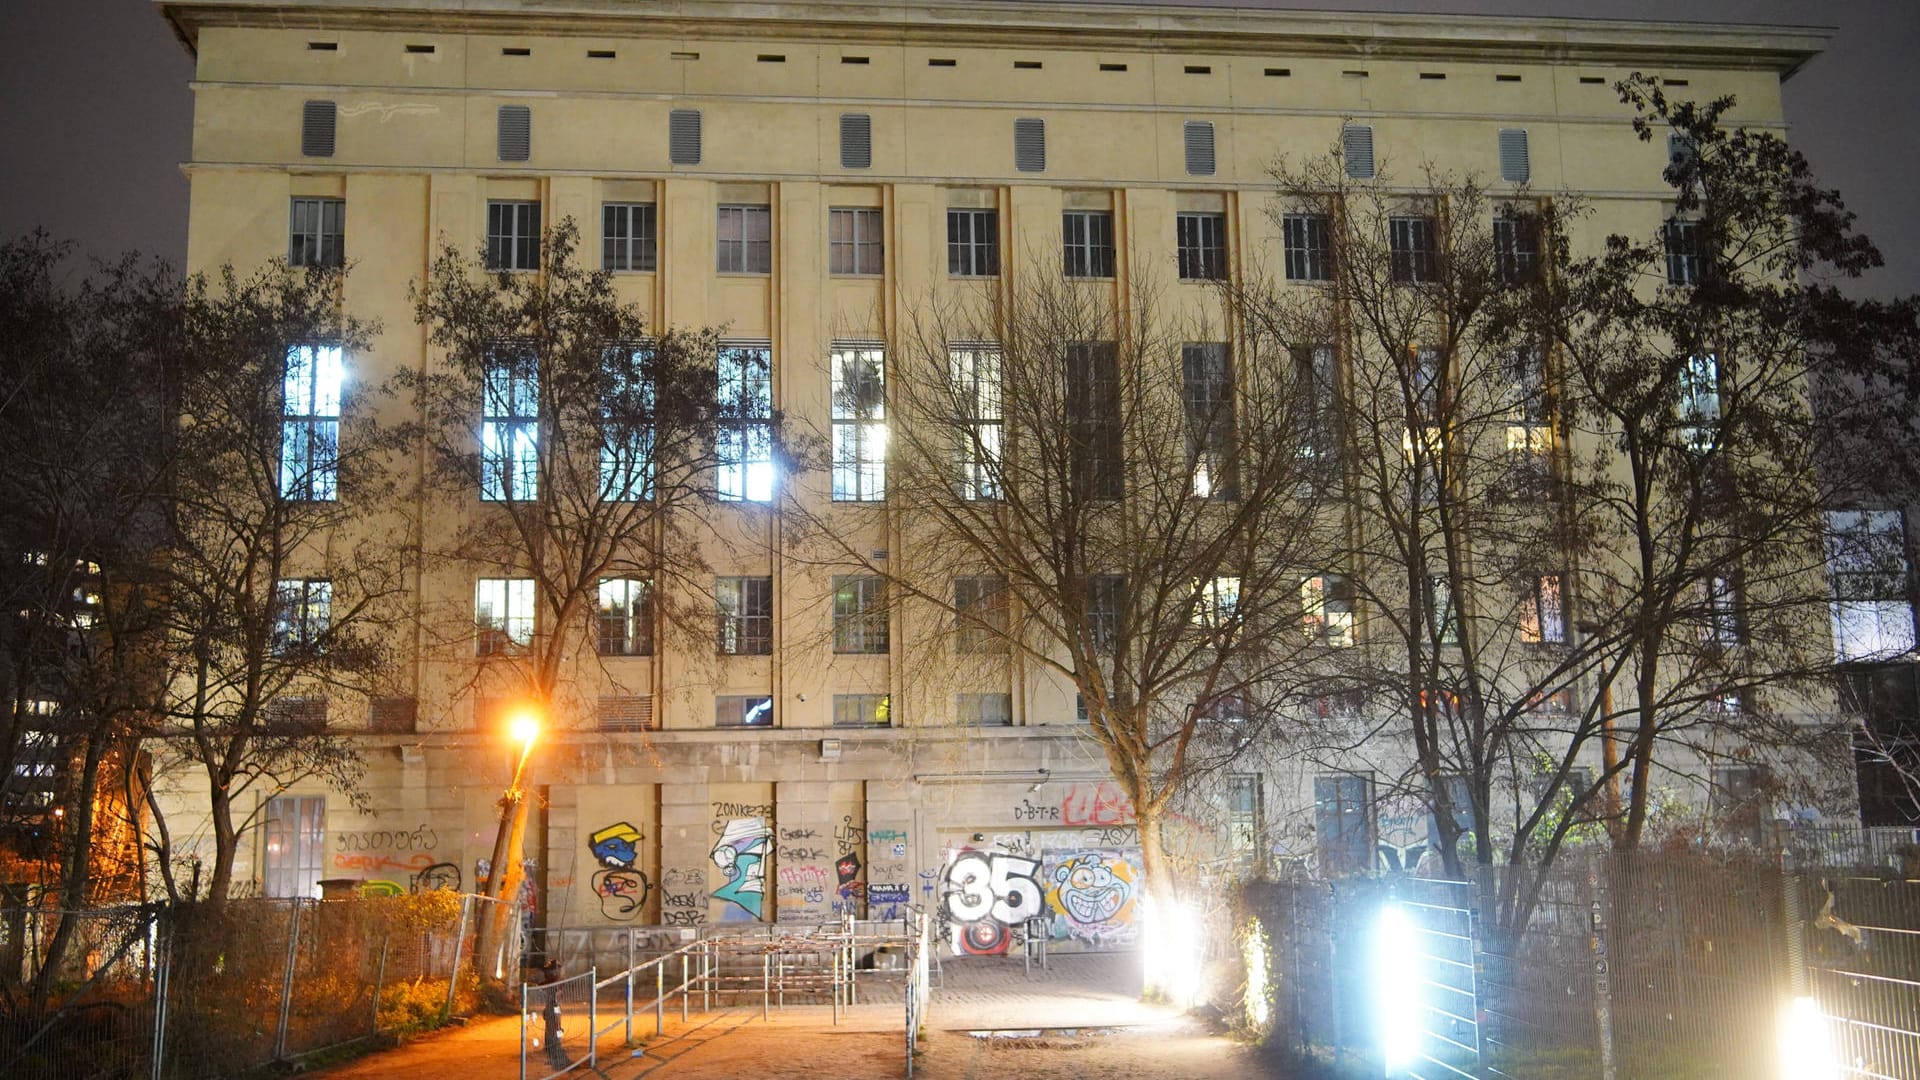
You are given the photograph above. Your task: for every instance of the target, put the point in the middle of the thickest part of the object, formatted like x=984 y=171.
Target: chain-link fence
x=90 y=1012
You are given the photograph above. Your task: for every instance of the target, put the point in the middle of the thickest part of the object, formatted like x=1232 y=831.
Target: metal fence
x=96 y=1015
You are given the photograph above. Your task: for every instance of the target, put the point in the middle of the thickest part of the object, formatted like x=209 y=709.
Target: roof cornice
x=1054 y=25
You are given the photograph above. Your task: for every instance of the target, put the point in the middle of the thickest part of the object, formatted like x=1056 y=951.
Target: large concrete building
x=799 y=173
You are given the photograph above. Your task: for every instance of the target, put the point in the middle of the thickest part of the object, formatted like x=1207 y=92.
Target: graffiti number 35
x=998 y=885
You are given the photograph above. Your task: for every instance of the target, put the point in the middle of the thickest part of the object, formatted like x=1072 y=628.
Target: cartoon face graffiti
x=741 y=853
x=616 y=846
x=1088 y=891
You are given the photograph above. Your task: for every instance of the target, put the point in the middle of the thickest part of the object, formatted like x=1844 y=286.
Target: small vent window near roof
x=316 y=129
x=516 y=133
x=1515 y=166
x=1356 y=147
x=683 y=136
x=1030 y=144
x=856 y=141
x=1199 y=148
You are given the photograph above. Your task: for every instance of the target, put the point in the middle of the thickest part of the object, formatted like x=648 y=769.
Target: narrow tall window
x=1243 y=820
x=1106 y=611
x=744 y=240
x=1720 y=610
x=1094 y=424
x=1326 y=610
x=626 y=425
x=310 y=423
x=973 y=243
x=1088 y=243
x=859 y=614
x=859 y=423
x=744 y=608
x=1529 y=425
x=1443 y=620
x=975 y=370
x=513 y=235
x=1411 y=247
x=980 y=614
x=1867 y=562
x=1516 y=247
x=1542 y=620
x=1207 y=386
x=1343 y=824
x=317 y=233
x=1306 y=242
x=1316 y=409
x=1202 y=242
x=296 y=835
x=627 y=236
x=854 y=242
x=625 y=617
x=510 y=426
x=302 y=610
x=745 y=437
x=1700 y=401
x=1686 y=259
x=502 y=614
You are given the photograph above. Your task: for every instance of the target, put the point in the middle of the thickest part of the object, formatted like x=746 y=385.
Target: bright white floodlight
x=1396 y=988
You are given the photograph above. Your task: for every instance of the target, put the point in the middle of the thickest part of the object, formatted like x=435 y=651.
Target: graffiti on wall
x=441 y=875
x=620 y=884
x=1102 y=804
x=363 y=861
x=418 y=838
x=1091 y=896
x=988 y=893
x=740 y=853
x=1086 y=892
x=889 y=891
x=683 y=897
x=378 y=887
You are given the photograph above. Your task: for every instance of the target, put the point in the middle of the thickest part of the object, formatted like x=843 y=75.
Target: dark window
x=317 y=233
x=1686 y=261
x=1244 y=826
x=980 y=614
x=1343 y=824
x=862 y=710
x=1443 y=618
x=1411 y=242
x=1088 y=243
x=1720 y=626
x=1094 y=425
x=745 y=609
x=625 y=617
x=627 y=237
x=859 y=614
x=745 y=240
x=626 y=424
x=1306 y=239
x=1316 y=409
x=742 y=710
x=1741 y=803
x=513 y=235
x=1202 y=242
x=973 y=243
x=1207 y=386
x=1516 y=248
x=983 y=710
x=854 y=242
x=1106 y=607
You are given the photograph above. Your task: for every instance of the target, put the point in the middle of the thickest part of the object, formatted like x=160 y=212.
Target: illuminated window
x=510 y=426
x=1207 y=387
x=742 y=710
x=976 y=391
x=625 y=617
x=1541 y=618
x=859 y=614
x=744 y=442
x=862 y=710
x=310 y=423
x=1326 y=610
x=1867 y=562
x=503 y=613
x=296 y=838
x=302 y=608
x=859 y=423
x=1216 y=602
x=744 y=606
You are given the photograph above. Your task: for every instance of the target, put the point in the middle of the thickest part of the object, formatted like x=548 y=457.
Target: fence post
x=378 y=981
x=459 y=944
x=1793 y=914
x=630 y=956
x=286 y=983
x=523 y=1030
x=1598 y=886
x=593 y=1018
x=162 y=975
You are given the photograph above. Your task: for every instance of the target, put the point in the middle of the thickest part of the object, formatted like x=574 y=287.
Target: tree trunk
x=76 y=871
x=226 y=845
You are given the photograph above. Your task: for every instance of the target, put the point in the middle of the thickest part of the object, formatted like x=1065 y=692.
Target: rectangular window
x=1443 y=621
x=1720 y=613
x=973 y=243
x=742 y=710
x=859 y=423
x=745 y=240
x=296 y=836
x=744 y=441
x=1686 y=260
x=980 y=614
x=1202 y=242
x=1529 y=426
x=854 y=244
x=1411 y=248
x=627 y=236
x=1867 y=561
x=1094 y=424
x=1216 y=601
x=1542 y=619
x=1316 y=409
x=1742 y=809
x=1106 y=608
x=744 y=607
x=1700 y=401
x=510 y=426
x=36 y=765
x=1243 y=820
x=1088 y=240
x=1516 y=248
x=1207 y=387
x=317 y=233
x=503 y=614
x=1343 y=824
x=626 y=424
x=1307 y=242
x=976 y=390
x=310 y=423
x=859 y=614
x=302 y=610
x=983 y=710
x=513 y=235
x=625 y=617
x=1326 y=610
x=862 y=710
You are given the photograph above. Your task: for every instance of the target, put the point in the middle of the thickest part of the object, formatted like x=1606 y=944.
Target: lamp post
x=503 y=872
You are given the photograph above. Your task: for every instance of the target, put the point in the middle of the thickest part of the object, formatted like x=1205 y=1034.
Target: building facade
x=804 y=176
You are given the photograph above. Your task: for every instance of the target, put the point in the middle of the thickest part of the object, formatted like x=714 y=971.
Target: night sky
x=97 y=112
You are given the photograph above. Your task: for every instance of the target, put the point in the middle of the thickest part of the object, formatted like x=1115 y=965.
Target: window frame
x=323 y=240
x=623 y=617
x=513 y=235
x=1306 y=241
x=861 y=621
x=862 y=251
x=1200 y=244
x=744 y=439
x=1086 y=244
x=517 y=621
x=858 y=419
x=743 y=609
x=751 y=253
x=633 y=246
x=973 y=251
x=310 y=414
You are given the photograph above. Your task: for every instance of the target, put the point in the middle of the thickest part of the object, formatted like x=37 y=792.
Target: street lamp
x=503 y=873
